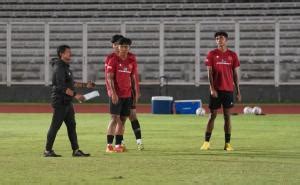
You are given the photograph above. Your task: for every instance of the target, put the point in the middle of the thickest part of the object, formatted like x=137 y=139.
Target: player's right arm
x=114 y=96
x=208 y=62
x=213 y=91
x=111 y=80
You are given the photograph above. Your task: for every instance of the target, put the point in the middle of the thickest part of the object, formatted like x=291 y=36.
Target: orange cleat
x=110 y=149
x=120 y=148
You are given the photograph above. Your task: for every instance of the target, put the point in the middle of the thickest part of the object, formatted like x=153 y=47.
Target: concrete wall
x=250 y=93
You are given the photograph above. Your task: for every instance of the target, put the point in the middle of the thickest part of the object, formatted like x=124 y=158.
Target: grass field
x=267 y=151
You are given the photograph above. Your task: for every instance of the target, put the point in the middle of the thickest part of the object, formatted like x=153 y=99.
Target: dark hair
x=115 y=38
x=221 y=33
x=124 y=41
x=61 y=49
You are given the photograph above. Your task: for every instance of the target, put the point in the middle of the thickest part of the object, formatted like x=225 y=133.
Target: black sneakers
x=76 y=153
x=51 y=153
x=79 y=153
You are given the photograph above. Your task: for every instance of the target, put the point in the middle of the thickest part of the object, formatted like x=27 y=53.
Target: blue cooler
x=162 y=105
x=187 y=106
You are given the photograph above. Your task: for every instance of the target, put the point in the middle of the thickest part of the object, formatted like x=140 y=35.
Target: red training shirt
x=123 y=70
x=223 y=65
x=133 y=58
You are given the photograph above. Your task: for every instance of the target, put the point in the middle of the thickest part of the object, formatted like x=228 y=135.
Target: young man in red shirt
x=222 y=66
x=132 y=117
x=112 y=124
x=121 y=79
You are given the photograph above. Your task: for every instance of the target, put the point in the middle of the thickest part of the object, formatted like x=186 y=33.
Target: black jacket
x=62 y=78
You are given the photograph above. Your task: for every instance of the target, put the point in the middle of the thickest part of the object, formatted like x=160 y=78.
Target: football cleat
x=228 y=147
x=205 y=146
x=140 y=146
x=119 y=149
x=110 y=149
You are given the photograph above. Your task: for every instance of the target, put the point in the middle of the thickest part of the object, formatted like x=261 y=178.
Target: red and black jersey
x=123 y=71
x=223 y=65
x=131 y=57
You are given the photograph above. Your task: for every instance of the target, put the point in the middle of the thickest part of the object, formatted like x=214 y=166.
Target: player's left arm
x=236 y=80
x=135 y=91
x=135 y=82
x=237 y=84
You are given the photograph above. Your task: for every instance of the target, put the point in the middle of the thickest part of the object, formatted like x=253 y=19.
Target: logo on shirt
x=223 y=62
x=124 y=69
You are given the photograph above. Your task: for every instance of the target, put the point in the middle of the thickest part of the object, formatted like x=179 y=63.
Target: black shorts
x=122 y=108
x=225 y=98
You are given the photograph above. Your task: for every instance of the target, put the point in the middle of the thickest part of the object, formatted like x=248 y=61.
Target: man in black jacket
x=62 y=94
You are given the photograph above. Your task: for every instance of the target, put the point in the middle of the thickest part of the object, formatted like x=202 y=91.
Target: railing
x=268 y=51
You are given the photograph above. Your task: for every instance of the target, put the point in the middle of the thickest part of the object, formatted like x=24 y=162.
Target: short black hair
x=115 y=38
x=221 y=33
x=124 y=41
x=62 y=48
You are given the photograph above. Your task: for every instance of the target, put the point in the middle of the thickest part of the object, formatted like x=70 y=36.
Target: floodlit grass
x=267 y=151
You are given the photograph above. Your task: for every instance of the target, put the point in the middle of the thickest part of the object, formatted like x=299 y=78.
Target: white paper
x=91 y=95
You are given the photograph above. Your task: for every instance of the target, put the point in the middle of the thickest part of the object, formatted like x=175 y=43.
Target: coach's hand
x=69 y=92
x=79 y=97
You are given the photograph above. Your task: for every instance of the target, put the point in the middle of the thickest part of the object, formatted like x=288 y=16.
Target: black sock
x=207 y=136
x=110 y=139
x=119 y=139
x=227 y=138
x=136 y=129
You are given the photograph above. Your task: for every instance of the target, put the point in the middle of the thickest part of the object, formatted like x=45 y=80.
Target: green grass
x=267 y=151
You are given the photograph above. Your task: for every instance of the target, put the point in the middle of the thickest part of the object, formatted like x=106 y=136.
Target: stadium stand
x=256 y=42
x=146 y=45
x=289 y=52
x=70 y=34
x=111 y=10
x=27 y=54
x=2 y=52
